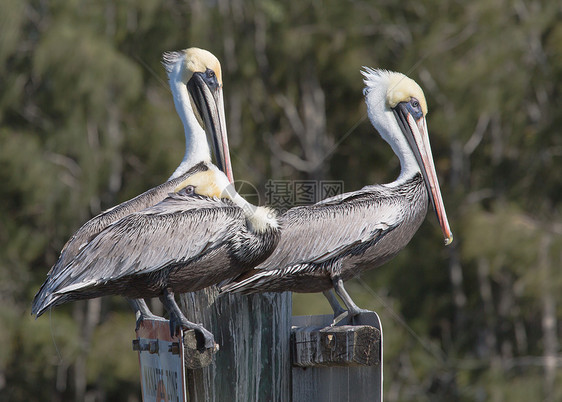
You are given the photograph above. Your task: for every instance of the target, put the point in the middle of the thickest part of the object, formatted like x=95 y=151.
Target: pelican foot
x=352 y=310
x=142 y=312
x=141 y=316
x=348 y=317
x=205 y=339
x=339 y=318
x=355 y=313
x=338 y=309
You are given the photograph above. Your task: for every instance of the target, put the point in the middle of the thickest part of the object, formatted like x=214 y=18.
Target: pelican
x=325 y=244
x=202 y=233
x=195 y=79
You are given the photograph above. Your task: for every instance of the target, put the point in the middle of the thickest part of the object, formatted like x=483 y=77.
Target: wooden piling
x=253 y=333
x=263 y=358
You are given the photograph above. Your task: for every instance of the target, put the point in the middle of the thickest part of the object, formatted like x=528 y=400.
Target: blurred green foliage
x=87 y=121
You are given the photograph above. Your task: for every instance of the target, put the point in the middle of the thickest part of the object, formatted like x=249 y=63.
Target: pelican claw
x=142 y=312
x=205 y=339
x=348 y=317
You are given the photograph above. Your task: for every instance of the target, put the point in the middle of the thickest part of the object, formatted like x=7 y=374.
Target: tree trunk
x=549 y=321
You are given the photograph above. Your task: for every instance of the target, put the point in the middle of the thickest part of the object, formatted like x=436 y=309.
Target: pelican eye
x=188 y=190
x=211 y=79
x=415 y=108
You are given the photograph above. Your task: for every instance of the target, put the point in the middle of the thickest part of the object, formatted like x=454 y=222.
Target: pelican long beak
x=415 y=132
x=210 y=105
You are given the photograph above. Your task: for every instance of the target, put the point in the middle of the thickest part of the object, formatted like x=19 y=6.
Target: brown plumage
x=95 y=225
x=327 y=243
x=196 y=82
x=338 y=238
x=190 y=240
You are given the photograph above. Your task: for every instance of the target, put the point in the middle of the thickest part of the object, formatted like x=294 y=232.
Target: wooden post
x=253 y=333
x=342 y=363
x=261 y=358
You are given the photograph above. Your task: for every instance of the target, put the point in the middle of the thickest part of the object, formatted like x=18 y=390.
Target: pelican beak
x=415 y=132
x=208 y=99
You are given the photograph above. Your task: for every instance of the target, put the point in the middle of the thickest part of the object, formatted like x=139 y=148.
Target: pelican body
x=201 y=234
x=327 y=243
x=195 y=79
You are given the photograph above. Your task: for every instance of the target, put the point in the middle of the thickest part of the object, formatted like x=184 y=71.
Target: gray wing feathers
x=95 y=225
x=146 y=241
x=317 y=239
x=313 y=235
x=323 y=231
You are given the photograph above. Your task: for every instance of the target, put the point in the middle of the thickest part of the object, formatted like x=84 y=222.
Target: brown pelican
x=202 y=233
x=327 y=243
x=195 y=78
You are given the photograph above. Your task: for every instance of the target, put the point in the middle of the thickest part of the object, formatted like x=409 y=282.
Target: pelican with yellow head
x=195 y=79
x=203 y=233
x=325 y=244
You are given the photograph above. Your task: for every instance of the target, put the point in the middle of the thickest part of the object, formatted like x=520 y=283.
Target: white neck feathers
x=196 y=146
x=382 y=117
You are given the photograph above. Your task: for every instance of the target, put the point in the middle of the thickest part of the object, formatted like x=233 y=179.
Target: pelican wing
x=169 y=234
x=317 y=233
x=95 y=225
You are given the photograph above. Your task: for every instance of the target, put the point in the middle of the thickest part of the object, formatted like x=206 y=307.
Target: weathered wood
x=352 y=382
x=194 y=358
x=253 y=332
x=346 y=345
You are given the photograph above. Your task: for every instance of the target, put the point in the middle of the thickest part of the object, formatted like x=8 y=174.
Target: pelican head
x=214 y=183
x=209 y=183
x=397 y=108
x=196 y=73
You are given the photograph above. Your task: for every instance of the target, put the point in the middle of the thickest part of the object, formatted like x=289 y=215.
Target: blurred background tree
x=87 y=121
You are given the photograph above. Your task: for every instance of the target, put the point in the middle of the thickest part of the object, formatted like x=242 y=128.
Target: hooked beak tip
x=449 y=240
